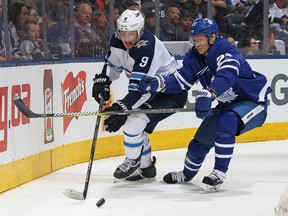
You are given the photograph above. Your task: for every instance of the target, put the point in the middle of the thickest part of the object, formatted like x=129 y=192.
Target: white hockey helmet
x=131 y=20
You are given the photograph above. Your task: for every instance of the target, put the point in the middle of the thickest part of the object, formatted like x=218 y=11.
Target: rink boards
x=30 y=148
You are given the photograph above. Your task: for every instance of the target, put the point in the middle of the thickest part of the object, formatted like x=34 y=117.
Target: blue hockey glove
x=114 y=122
x=101 y=87
x=152 y=84
x=203 y=103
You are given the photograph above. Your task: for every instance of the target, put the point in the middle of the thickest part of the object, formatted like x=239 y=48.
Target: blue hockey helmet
x=205 y=26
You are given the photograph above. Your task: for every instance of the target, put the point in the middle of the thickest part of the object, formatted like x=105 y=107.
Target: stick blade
x=73 y=194
x=23 y=108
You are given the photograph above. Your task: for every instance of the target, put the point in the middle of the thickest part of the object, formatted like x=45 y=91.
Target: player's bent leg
x=147 y=169
x=146 y=153
x=227 y=126
x=134 y=139
x=194 y=158
x=147 y=173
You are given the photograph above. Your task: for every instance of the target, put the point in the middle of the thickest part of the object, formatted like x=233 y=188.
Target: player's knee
x=197 y=149
x=135 y=124
x=228 y=124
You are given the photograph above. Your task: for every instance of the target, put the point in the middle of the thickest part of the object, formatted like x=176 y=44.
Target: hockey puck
x=100 y=202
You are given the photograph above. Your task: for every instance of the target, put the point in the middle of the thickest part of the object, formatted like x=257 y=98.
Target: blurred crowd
x=65 y=28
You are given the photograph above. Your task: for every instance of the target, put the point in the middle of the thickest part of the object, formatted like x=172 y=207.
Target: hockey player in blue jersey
x=137 y=53
x=226 y=77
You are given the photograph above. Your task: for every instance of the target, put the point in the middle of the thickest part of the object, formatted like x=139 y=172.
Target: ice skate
x=147 y=173
x=175 y=178
x=127 y=168
x=212 y=182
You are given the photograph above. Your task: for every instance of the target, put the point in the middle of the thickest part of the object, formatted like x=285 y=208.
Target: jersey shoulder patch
x=147 y=41
x=141 y=43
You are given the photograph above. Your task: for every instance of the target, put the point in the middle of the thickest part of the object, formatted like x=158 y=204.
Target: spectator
x=238 y=6
x=173 y=13
x=150 y=22
x=100 y=26
x=15 y=53
x=59 y=37
x=18 y=15
x=88 y=37
x=83 y=16
x=186 y=20
x=226 y=27
x=272 y=49
x=221 y=6
x=116 y=15
x=253 y=21
x=55 y=9
x=249 y=46
x=31 y=45
x=237 y=9
x=170 y=24
x=33 y=15
x=147 y=4
x=198 y=7
x=280 y=10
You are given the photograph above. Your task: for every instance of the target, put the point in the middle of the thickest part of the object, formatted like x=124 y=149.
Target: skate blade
x=210 y=189
x=115 y=180
x=143 y=180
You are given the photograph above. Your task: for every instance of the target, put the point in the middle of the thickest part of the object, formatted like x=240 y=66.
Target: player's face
x=129 y=38
x=201 y=43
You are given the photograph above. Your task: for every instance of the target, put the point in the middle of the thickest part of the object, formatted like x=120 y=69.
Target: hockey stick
x=30 y=114
x=82 y=195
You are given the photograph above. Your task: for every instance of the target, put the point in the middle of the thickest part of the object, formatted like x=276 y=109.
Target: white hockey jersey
x=148 y=57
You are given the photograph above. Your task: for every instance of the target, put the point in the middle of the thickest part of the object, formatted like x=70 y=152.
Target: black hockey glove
x=101 y=87
x=114 y=122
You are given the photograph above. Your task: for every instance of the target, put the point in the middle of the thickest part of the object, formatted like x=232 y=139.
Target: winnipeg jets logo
x=141 y=43
x=227 y=96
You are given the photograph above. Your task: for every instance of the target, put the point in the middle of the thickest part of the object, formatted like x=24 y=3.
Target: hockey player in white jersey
x=226 y=77
x=137 y=53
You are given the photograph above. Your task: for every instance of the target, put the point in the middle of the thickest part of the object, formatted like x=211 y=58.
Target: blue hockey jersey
x=224 y=71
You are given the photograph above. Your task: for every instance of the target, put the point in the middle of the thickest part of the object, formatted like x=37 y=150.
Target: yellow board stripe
x=27 y=169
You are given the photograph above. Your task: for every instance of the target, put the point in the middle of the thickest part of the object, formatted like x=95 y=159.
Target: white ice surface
x=258 y=175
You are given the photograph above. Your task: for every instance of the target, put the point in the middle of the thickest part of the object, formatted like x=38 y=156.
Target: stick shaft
x=92 y=152
x=30 y=114
x=78 y=195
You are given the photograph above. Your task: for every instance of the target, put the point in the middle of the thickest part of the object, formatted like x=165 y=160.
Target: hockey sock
x=224 y=147
x=194 y=158
x=146 y=154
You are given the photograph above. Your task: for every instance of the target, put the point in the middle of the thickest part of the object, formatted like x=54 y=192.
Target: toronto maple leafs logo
x=141 y=43
x=227 y=96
